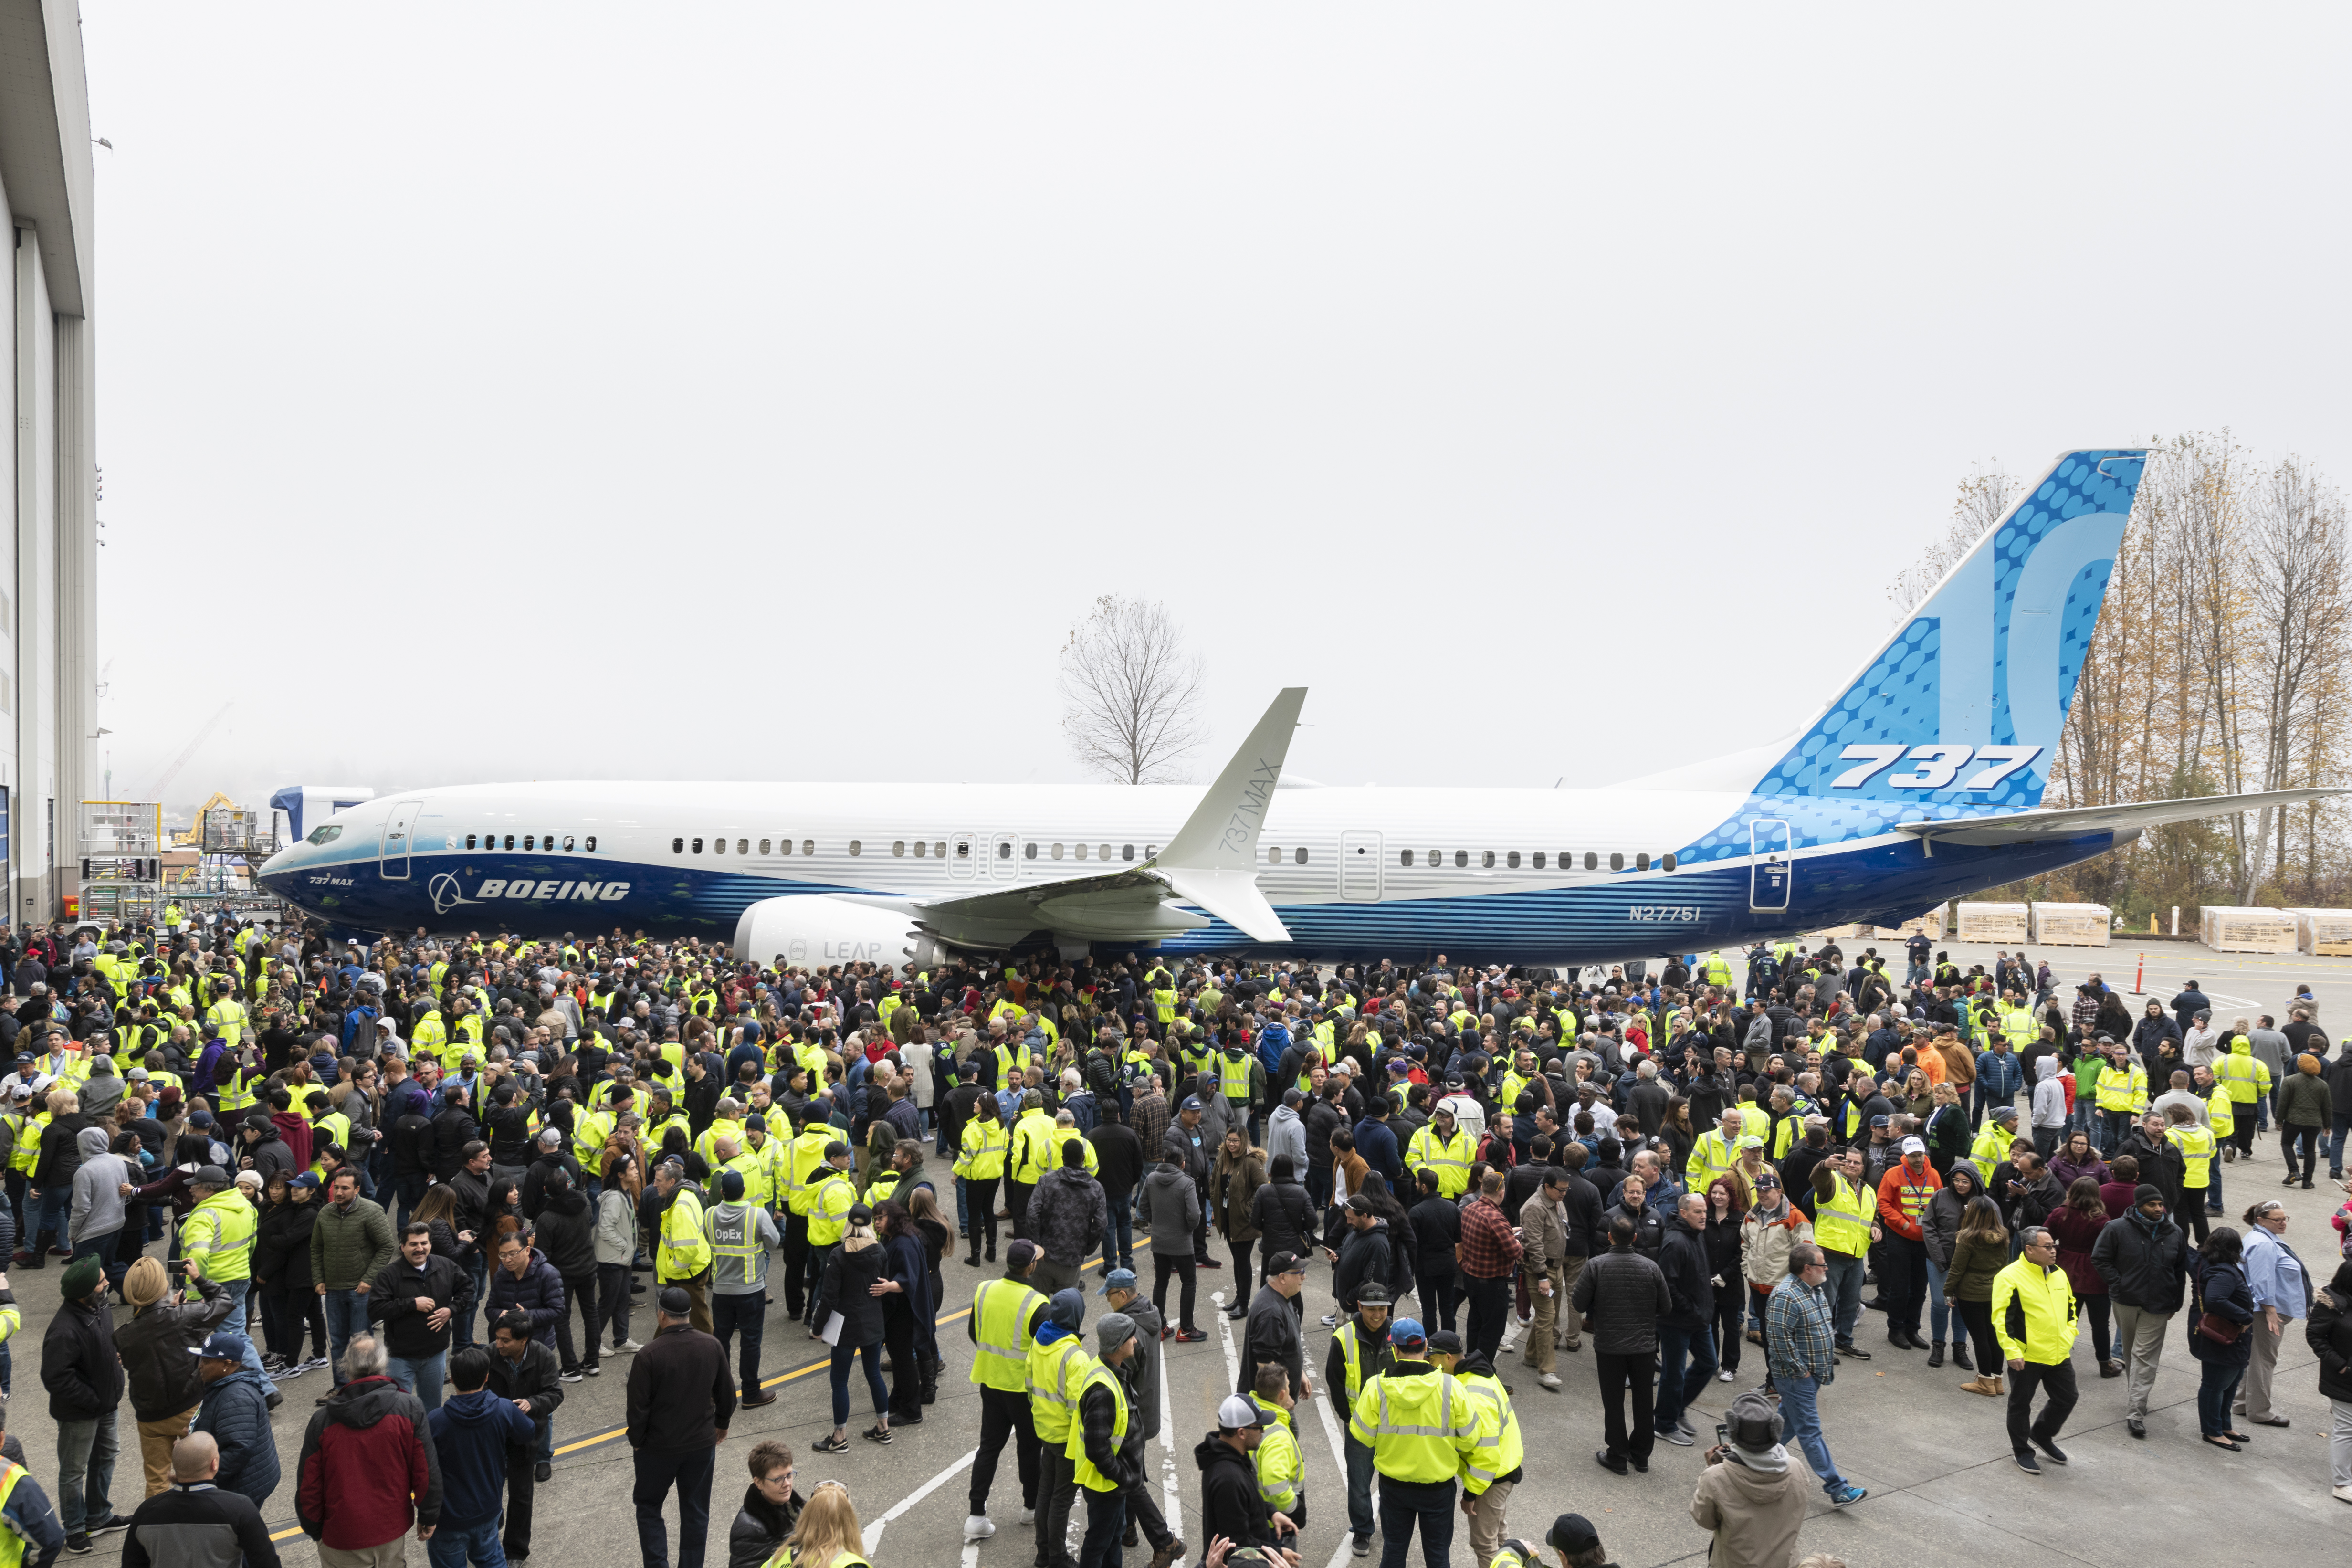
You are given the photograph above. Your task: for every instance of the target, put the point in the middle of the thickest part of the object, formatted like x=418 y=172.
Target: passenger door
x=1359 y=868
x=1774 y=869
x=399 y=826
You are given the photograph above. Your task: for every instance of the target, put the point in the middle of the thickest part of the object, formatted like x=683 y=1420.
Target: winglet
x=1212 y=860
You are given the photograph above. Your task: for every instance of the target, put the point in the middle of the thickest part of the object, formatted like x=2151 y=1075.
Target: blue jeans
x=421 y=1375
x=843 y=1355
x=1119 y=1226
x=1939 y=1312
x=409 y=1190
x=102 y=1248
x=453 y=1545
x=1678 y=1346
x=1432 y=1505
x=1846 y=1291
x=1801 y=1416
x=346 y=1316
x=1106 y=1520
x=463 y=1322
x=1360 y=1486
x=57 y=1209
x=2213 y=1184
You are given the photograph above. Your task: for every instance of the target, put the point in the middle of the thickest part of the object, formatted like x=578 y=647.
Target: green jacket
x=347 y=1250
x=2305 y=1100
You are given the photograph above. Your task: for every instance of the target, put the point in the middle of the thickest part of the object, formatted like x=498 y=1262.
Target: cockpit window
x=326 y=834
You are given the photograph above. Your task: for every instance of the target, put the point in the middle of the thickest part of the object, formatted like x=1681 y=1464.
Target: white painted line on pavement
x=1225 y=1333
x=1173 y=1503
x=873 y=1530
x=1331 y=1429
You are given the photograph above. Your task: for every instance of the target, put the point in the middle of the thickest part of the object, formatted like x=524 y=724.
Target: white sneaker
x=627 y=1347
x=2342 y=1494
x=978 y=1527
x=1549 y=1380
x=1723 y=1377
x=1028 y=1516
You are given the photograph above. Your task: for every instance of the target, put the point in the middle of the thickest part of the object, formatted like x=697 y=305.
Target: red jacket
x=297 y=1134
x=368 y=1470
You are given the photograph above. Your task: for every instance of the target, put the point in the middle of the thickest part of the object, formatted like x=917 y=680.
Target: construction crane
x=156 y=792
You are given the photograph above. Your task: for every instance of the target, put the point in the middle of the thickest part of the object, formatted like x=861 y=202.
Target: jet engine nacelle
x=817 y=930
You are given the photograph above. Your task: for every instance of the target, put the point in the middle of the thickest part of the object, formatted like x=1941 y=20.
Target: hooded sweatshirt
x=1230 y=1503
x=2049 y=1094
x=1754 y=1504
x=471 y=1432
x=96 y=1188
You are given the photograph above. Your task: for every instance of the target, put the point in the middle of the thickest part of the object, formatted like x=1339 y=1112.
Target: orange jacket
x=1902 y=1199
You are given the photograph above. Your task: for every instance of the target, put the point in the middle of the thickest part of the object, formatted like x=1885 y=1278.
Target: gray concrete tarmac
x=1936 y=1461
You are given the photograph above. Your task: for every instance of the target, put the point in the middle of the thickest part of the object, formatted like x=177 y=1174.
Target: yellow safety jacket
x=27 y=1154
x=1234 y=1075
x=2122 y=1089
x=217 y=1237
x=1035 y=1147
x=829 y=1203
x=1066 y=1136
x=1450 y=1158
x=2044 y=1300
x=590 y=1128
x=1281 y=1470
x=1842 y=1221
x=755 y=1172
x=685 y=1251
x=1075 y=1449
x=1056 y=1372
x=429 y=1037
x=1422 y=1425
x=1711 y=1155
x=2246 y=1076
x=804 y=1155
x=226 y=1018
x=1499 y=1449
x=984 y=1143
x=1163 y=1001
x=337 y=1128
x=2223 y=1112
x=1991 y=1148
x=1001 y=1310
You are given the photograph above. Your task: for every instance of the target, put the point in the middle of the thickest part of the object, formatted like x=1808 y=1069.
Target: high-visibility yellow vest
x=589 y=1131
x=829 y=1203
x=1056 y=1372
x=984 y=1143
x=2243 y=1074
x=1499 y=1449
x=2122 y=1089
x=999 y=1315
x=336 y=1126
x=302 y=1094
x=427 y=1036
x=1163 y=1001
x=1351 y=1356
x=738 y=1238
x=1066 y=1136
x=1991 y=1148
x=1711 y=1155
x=12 y=1545
x=27 y=1154
x=1034 y=1146
x=2224 y=1112
x=685 y=1251
x=1450 y=1158
x=1234 y=1075
x=2019 y=1025
x=217 y=1237
x=1075 y=1449
x=1418 y=1422
x=226 y=1018
x=2196 y=1146
x=1842 y=1221
x=1281 y=1470
x=804 y=1154
x=755 y=1172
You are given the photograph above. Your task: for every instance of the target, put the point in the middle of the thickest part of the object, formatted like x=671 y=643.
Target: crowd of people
x=414 y=1166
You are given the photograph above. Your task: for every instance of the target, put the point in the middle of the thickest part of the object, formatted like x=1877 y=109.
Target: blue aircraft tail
x=1960 y=713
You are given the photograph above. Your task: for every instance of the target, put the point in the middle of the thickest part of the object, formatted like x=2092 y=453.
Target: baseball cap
x=1572 y=1533
x=1191 y=1103
x=1236 y=1413
x=1876 y=1121
x=1285 y=1263
x=1118 y=1279
x=1912 y=1146
x=209 y=1175
x=1445 y=1340
x=306 y=1179
x=1405 y=1333
x=222 y=1346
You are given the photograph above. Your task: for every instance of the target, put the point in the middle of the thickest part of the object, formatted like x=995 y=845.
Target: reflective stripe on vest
x=1001 y=1353
x=1841 y=1220
x=1082 y=1468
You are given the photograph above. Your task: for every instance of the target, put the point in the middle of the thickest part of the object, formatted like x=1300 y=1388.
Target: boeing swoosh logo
x=446 y=894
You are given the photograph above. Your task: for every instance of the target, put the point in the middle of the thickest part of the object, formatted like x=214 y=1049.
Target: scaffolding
x=120 y=846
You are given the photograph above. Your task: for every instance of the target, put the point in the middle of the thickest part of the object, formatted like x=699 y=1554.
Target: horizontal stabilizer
x=1231 y=896
x=2026 y=826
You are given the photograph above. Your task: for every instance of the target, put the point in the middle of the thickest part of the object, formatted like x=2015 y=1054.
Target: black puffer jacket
x=154 y=1343
x=760 y=1528
x=567 y=1234
x=2328 y=1332
x=1623 y=1295
x=1283 y=1216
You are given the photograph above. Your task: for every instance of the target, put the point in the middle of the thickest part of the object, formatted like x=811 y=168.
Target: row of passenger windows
x=937 y=849
x=530 y=841
x=1511 y=860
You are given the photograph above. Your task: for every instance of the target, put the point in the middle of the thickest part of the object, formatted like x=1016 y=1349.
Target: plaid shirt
x=1150 y=1120
x=1797 y=1335
x=1489 y=1250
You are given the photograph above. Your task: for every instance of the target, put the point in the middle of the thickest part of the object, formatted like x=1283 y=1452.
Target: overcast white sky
x=509 y=391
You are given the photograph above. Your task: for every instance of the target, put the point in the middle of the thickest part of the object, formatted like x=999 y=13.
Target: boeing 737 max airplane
x=1921 y=779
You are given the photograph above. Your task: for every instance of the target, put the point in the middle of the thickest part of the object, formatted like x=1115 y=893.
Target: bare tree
x=1984 y=499
x=1130 y=694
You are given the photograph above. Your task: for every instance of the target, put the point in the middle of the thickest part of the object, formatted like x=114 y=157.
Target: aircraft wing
x=1211 y=862
x=2025 y=826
